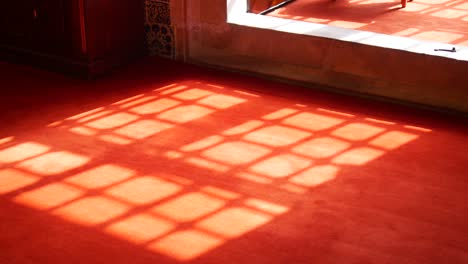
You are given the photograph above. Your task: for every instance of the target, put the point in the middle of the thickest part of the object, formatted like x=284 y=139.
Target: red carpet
x=169 y=163
x=434 y=20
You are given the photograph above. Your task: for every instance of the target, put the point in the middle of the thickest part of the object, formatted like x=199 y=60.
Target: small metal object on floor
x=449 y=50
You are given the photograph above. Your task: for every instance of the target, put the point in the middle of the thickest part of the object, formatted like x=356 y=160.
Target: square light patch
x=202 y=143
x=112 y=121
x=243 y=128
x=234 y=222
x=393 y=139
x=155 y=106
x=184 y=114
x=358 y=156
x=101 y=176
x=192 y=94
x=281 y=165
x=140 y=228
x=115 y=139
x=276 y=136
x=357 y=131
x=236 y=152
x=83 y=131
x=54 y=163
x=221 y=101
x=266 y=206
x=207 y=164
x=91 y=211
x=312 y=122
x=278 y=114
x=315 y=176
x=12 y=180
x=186 y=245
x=189 y=207
x=136 y=101
x=22 y=151
x=143 y=190
x=48 y=196
x=143 y=129
x=322 y=147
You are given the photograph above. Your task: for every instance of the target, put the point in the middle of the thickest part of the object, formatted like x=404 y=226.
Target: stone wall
x=196 y=31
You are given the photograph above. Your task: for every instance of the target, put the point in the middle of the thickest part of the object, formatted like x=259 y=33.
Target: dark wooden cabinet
x=16 y=22
x=80 y=37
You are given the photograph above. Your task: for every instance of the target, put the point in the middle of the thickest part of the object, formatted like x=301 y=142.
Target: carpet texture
x=168 y=163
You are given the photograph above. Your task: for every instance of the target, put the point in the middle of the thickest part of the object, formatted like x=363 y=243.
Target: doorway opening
x=444 y=21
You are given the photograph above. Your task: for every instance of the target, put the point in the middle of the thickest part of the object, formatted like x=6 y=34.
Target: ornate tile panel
x=160 y=39
x=158 y=28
